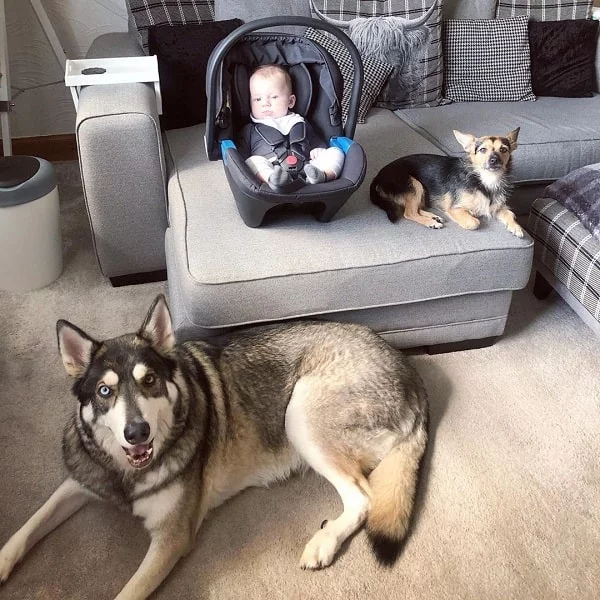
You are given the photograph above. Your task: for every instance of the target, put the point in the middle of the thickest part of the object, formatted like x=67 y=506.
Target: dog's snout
x=494 y=159
x=137 y=432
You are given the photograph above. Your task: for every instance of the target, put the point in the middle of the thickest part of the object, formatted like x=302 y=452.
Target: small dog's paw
x=10 y=555
x=439 y=219
x=470 y=224
x=436 y=224
x=516 y=229
x=320 y=551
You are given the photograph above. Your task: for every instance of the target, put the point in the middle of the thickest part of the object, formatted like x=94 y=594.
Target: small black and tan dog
x=466 y=188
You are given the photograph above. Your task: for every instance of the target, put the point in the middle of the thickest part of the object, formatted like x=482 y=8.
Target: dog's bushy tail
x=393 y=484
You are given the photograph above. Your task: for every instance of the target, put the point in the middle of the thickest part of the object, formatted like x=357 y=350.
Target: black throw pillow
x=563 y=55
x=182 y=52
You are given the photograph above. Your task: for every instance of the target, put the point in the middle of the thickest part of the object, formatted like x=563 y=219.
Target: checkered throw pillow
x=568 y=250
x=375 y=73
x=487 y=60
x=145 y=13
x=426 y=76
x=545 y=10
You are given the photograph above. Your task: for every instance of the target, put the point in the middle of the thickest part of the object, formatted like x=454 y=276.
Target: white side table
x=101 y=71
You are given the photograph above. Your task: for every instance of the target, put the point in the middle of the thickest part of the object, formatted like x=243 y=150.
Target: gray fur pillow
x=415 y=54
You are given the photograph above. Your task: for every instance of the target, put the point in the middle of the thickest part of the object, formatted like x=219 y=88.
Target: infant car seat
x=318 y=86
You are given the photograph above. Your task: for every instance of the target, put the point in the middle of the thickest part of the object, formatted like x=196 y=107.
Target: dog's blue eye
x=104 y=391
x=483 y=150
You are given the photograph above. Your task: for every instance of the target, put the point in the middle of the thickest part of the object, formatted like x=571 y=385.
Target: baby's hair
x=274 y=71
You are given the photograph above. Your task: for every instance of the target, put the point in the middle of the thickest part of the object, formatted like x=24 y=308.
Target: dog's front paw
x=10 y=555
x=470 y=223
x=515 y=229
x=320 y=551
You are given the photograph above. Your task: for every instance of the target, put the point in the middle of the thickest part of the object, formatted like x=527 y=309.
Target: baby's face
x=270 y=97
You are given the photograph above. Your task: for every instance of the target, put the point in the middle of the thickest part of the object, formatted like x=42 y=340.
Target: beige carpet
x=510 y=501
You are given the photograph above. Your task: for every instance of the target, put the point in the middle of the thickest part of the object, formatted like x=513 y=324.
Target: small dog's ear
x=466 y=140
x=512 y=138
x=76 y=348
x=157 y=327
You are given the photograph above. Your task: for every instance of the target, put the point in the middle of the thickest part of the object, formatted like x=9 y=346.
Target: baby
x=271 y=99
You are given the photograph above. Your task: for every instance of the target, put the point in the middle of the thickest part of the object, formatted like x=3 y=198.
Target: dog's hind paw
x=436 y=224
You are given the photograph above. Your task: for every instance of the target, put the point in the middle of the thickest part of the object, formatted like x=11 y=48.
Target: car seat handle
x=215 y=60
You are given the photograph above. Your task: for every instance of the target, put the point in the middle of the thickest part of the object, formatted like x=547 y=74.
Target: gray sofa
x=156 y=202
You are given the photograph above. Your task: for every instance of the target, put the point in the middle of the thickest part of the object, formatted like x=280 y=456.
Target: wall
x=43 y=105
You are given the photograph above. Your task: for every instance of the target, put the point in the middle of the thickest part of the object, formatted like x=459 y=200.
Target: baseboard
x=50 y=147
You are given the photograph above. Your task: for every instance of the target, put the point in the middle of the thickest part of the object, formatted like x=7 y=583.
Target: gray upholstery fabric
x=551 y=142
x=469 y=9
x=228 y=274
x=250 y=10
x=121 y=159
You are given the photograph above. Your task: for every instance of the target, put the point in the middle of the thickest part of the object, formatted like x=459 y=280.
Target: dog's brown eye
x=483 y=150
x=149 y=379
x=503 y=150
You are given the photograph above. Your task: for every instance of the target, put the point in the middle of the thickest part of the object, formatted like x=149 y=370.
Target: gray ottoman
x=567 y=259
x=415 y=286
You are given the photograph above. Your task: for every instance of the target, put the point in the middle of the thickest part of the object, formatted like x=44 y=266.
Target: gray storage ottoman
x=567 y=258
x=415 y=286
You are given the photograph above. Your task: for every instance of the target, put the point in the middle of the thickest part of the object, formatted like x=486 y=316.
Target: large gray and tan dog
x=171 y=431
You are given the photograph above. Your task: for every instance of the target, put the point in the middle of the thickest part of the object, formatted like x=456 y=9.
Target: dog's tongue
x=139 y=450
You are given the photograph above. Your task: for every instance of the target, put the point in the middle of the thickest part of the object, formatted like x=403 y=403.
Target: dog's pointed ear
x=158 y=328
x=466 y=140
x=512 y=138
x=76 y=348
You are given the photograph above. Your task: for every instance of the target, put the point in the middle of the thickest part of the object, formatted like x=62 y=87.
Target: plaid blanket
x=579 y=191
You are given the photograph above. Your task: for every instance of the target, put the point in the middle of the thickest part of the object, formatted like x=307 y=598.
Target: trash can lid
x=24 y=179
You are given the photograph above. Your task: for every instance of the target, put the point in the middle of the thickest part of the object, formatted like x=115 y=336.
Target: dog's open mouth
x=139 y=456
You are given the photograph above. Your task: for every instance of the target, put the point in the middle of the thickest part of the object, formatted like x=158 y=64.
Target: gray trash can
x=30 y=238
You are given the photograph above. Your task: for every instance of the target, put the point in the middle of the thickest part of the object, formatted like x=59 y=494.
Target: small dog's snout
x=136 y=432
x=494 y=159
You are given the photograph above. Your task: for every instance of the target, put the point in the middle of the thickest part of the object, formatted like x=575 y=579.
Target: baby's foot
x=314 y=175
x=279 y=179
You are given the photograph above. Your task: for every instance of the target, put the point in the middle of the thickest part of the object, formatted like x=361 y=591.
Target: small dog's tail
x=381 y=199
x=393 y=484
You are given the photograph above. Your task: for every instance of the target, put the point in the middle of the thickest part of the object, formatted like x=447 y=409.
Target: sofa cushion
x=541 y=10
x=416 y=81
x=295 y=263
x=183 y=52
x=557 y=135
x=563 y=55
x=250 y=10
x=167 y=12
x=459 y=9
x=474 y=67
x=375 y=73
